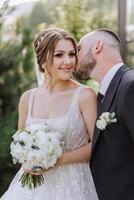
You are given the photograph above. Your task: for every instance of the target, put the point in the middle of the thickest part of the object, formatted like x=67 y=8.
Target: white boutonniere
x=105 y=119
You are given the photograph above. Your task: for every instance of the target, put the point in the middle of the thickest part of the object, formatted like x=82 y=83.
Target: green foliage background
x=17 y=57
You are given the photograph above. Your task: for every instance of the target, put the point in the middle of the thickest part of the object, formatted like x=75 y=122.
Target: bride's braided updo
x=45 y=44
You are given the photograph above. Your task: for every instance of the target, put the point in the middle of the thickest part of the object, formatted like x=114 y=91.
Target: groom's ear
x=98 y=46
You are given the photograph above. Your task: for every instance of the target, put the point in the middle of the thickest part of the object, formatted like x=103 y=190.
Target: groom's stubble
x=86 y=66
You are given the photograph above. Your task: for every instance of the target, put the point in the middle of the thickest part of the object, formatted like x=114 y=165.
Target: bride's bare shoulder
x=87 y=95
x=25 y=97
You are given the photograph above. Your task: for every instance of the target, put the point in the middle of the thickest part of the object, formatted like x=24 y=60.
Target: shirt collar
x=108 y=77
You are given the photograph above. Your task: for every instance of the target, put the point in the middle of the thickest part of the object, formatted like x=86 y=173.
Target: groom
x=112 y=159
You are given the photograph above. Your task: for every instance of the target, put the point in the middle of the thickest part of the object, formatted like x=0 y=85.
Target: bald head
x=108 y=37
x=99 y=51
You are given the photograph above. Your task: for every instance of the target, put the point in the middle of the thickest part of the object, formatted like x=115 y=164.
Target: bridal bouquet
x=36 y=147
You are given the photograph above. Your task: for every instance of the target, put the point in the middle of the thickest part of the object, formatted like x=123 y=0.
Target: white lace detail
x=69 y=182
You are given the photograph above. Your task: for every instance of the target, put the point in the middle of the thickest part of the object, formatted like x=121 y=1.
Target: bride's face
x=64 y=60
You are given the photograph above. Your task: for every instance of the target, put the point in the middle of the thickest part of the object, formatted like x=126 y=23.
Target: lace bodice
x=71 y=125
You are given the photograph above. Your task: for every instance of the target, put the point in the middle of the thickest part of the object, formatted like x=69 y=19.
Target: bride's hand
x=38 y=173
x=42 y=171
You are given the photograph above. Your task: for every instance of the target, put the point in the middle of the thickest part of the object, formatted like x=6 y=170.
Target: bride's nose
x=67 y=60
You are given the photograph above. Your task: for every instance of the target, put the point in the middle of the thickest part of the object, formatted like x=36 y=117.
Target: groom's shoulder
x=128 y=76
x=127 y=81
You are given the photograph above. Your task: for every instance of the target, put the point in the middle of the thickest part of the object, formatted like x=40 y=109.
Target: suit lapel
x=108 y=99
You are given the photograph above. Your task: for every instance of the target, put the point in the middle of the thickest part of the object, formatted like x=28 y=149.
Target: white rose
x=18 y=152
x=105 y=116
x=57 y=135
x=49 y=149
x=33 y=127
x=105 y=119
x=16 y=135
x=35 y=157
x=54 y=139
x=45 y=163
x=26 y=138
x=52 y=160
x=49 y=161
x=101 y=124
x=41 y=139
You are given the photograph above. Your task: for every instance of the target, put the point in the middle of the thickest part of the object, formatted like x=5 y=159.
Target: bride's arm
x=79 y=155
x=87 y=103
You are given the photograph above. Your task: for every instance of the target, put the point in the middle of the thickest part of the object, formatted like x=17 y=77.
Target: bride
x=67 y=107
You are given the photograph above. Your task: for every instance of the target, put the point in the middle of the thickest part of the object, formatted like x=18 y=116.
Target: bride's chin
x=66 y=77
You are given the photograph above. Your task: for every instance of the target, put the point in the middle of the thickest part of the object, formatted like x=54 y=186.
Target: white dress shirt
x=108 y=78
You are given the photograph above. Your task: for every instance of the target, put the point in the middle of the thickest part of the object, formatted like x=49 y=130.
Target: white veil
x=39 y=75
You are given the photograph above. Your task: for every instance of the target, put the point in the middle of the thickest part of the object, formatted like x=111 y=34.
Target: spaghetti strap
x=75 y=101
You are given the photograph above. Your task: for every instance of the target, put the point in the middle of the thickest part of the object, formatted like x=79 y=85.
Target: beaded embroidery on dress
x=69 y=182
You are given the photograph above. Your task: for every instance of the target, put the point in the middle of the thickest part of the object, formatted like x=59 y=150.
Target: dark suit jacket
x=112 y=159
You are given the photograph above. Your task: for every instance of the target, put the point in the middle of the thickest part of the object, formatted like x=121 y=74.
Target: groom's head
x=98 y=51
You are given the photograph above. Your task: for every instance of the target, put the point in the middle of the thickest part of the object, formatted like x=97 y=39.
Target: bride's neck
x=58 y=86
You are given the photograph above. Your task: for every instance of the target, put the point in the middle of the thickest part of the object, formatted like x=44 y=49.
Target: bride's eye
x=72 y=54
x=58 y=55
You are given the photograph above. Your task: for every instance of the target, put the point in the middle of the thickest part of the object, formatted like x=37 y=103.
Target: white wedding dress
x=69 y=182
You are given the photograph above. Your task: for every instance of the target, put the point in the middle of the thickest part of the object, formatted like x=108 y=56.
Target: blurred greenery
x=16 y=75
x=17 y=56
